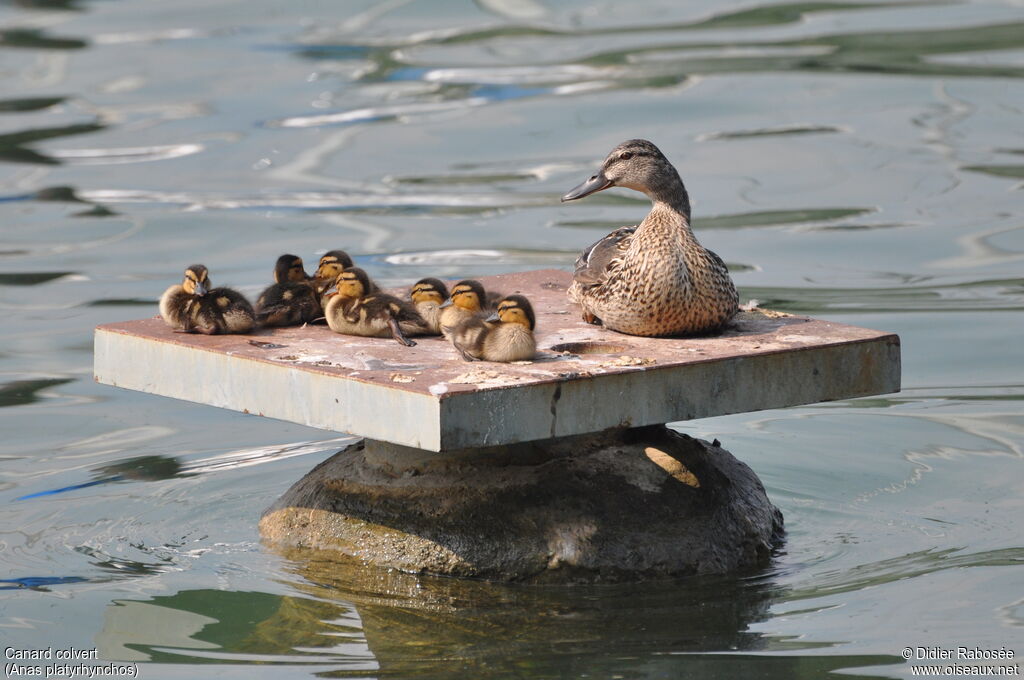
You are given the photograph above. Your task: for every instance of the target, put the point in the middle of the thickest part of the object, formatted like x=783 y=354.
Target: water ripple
x=113 y=156
x=320 y=200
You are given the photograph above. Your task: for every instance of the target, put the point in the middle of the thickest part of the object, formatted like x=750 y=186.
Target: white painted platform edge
x=672 y=394
x=276 y=391
x=501 y=416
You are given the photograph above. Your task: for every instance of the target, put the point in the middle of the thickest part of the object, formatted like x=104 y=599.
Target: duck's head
x=197 y=280
x=352 y=283
x=468 y=294
x=333 y=263
x=639 y=165
x=429 y=290
x=289 y=268
x=515 y=309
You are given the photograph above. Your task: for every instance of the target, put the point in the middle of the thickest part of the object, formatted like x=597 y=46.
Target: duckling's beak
x=446 y=303
x=596 y=183
x=493 y=317
x=201 y=288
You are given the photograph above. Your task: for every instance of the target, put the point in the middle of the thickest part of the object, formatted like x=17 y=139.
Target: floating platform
x=553 y=470
x=584 y=379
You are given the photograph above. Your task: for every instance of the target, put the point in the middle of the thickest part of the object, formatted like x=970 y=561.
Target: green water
x=856 y=161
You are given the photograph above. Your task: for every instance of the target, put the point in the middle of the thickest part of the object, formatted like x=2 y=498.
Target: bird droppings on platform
x=578 y=382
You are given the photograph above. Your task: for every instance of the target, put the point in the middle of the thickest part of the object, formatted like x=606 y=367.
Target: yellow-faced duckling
x=507 y=335
x=292 y=300
x=353 y=310
x=331 y=264
x=428 y=295
x=194 y=307
x=468 y=299
x=652 y=279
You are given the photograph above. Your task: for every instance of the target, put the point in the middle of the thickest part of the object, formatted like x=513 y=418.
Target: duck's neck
x=667 y=220
x=668 y=193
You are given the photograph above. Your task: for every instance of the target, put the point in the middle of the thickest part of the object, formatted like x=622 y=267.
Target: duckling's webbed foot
x=397 y=334
x=589 y=317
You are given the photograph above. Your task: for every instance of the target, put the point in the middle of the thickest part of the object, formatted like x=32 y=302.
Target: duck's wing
x=592 y=264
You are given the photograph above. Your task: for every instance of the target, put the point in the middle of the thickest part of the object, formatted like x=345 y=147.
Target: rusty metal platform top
x=584 y=378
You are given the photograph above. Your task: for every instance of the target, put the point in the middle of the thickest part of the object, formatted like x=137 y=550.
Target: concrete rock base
x=613 y=506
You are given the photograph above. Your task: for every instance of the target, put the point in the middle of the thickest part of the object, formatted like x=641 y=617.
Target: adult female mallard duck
x=353 y=310
x=506 y=335
x=653 y=279
x=292 y=299
x=194 y=307
x=428 y=295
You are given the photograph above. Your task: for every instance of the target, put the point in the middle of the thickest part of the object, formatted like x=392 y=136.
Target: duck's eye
x=626 y=155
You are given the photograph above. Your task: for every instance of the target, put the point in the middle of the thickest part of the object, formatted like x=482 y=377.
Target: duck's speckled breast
x=666 y=284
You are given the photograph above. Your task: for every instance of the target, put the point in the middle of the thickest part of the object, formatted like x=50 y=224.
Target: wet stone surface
x=612 y=506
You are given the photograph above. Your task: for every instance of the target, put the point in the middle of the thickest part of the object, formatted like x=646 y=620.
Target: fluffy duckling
x=353 y=310
x=193 y=307
x=331 y=264
x=292 y=300
x=507 y=335
x=428 y=295
x=468 y=299
x=652 y=279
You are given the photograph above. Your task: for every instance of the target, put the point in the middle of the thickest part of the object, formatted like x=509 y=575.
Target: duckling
x=353 y=310
x=467 y=300
x=292 y=299
x=193 y=307
x=428 y=295
x=331 y=264
x=653 y=279
x=506 y=335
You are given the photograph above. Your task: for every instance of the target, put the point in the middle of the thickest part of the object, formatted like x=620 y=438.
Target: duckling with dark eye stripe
x=353 y=310
x=292 y=300
x=428 y=295
x=507 y=335
x=332 y=263
x=194 y=307
x=467 y=301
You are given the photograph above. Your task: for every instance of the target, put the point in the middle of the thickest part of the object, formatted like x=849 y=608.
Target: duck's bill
x=596 y=183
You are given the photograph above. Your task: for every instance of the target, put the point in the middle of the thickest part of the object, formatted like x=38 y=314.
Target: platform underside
x=584 y=379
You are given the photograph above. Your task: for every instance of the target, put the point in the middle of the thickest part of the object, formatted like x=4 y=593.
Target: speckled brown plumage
x=654 y=279
x=353 y=311
x=193 y=307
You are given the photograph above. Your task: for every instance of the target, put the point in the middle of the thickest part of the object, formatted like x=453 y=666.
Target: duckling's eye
x=626 y=155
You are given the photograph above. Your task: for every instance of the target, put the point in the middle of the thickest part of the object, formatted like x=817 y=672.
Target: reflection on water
x=20 y=392
x=346 y=619
x=858 y=161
